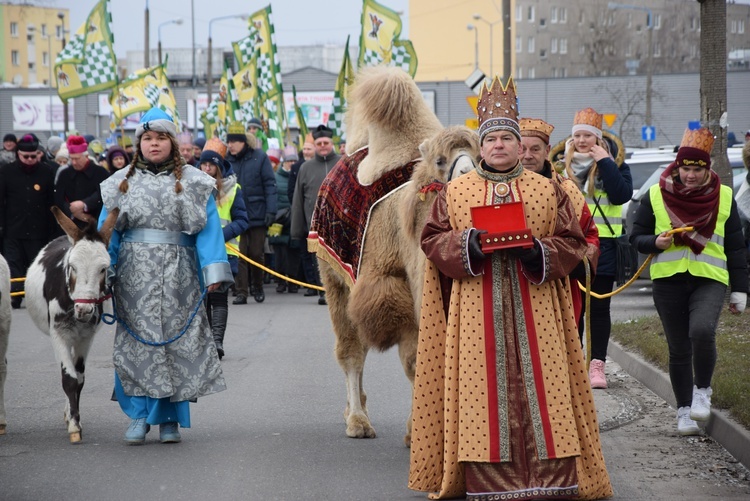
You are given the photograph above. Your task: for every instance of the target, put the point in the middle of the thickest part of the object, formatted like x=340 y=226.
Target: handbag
x=626 y=259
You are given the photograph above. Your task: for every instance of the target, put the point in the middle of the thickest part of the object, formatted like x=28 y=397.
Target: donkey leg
x=350 y=354
x=71 y=365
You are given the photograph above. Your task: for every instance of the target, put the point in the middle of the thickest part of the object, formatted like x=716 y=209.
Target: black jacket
x=256 y=177
x=82 y=185
x=26 y=196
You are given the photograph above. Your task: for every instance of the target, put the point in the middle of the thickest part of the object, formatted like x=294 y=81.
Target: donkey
x=5 y=315
x=65 y=289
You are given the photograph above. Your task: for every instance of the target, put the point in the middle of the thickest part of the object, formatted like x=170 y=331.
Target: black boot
x=258 y=294
x=322 y=298
x=219 y=313
x=292 y=288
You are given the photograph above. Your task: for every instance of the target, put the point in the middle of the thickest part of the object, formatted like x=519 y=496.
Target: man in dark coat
x=256 y=177
x=77 y=187
x=27 y=188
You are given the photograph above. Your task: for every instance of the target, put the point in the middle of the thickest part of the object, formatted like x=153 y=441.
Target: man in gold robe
x=502 y=403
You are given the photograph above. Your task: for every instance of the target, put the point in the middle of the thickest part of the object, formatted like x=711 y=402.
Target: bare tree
x=713 y=80
x=627 y=98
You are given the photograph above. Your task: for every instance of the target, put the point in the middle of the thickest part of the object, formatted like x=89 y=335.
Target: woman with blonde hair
x=590 y=162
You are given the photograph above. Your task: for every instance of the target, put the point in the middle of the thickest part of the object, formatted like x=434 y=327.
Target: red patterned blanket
x=342 y=212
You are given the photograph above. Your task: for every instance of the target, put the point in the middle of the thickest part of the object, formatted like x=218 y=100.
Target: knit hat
x=588 y=120
x=156 y=120
x=53 y=144
x=695 y=148
x=497 y=108
x=536 y=127
x=254 y=122
x=28 y=143
x=214 y=153
x=12 y=137
x=77 y=144
x=322 y=131
x=200 y=142
x=89 y=138
x=290 y=154
x=113 y=152
x=236 y=132
x=62 y=152
x=274 y=155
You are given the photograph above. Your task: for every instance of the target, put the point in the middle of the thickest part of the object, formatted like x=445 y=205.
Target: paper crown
x=589 y=120
x=536 y=127
x=695 y=148
x=216 y=145
x=497 y=108
x=236 y=128
x=701 y=139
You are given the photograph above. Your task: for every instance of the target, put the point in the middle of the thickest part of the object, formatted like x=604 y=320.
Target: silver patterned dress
x=164 y=245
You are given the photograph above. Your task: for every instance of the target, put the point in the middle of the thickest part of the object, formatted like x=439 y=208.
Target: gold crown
x=236 y=128
x=588 y=116
x=497 y=108
x=216 y=145
x=700 y=139
x=536 y=127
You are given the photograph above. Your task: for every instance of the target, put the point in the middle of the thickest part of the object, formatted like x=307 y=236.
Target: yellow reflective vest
x=711 y=263
x=225 y=216
x=612 y=212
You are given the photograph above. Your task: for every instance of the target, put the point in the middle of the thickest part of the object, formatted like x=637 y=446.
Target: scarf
x=697 y=207
x=581 y=164
x=166 y=166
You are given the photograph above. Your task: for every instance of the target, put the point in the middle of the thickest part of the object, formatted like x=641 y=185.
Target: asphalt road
x=277 y=433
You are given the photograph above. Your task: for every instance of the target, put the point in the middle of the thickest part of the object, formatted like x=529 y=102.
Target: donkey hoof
x=75 y=437
x=2 y=429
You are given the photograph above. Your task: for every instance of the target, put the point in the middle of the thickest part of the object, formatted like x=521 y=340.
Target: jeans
x=689 y=310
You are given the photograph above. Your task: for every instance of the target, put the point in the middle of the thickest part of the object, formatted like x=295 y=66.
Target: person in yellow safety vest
x=691 y=269
x=589 y=161
x=234 y=222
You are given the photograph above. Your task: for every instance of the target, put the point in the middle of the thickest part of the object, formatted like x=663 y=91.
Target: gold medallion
x=502 y=189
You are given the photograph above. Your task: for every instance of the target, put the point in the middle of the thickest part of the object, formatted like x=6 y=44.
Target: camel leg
x=407 y=353
x=350 y=354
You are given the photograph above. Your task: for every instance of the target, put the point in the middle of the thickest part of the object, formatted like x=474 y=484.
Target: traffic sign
x=473 y=100
x=609 y=118
x=472 y=123
x=648 y=133
x=475 y=80
x=694 y=124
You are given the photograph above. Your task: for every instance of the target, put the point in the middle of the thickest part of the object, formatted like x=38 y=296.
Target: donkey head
x=86 y=263
x=449 y=154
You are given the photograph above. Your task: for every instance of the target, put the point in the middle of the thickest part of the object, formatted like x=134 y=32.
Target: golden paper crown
x=588 y=116
x=497 y=108
x=216 y=145
x=701 y=139
x=536 y=127
x=236 y=128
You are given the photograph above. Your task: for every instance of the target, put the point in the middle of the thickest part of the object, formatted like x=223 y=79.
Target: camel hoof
x=359 y=427
x=407 y=440
x=2 y=429
x=75 y=437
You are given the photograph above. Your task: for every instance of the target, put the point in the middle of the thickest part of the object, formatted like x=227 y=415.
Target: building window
x=693 y=51
x=581 y=50
x=741 y=26
x=581 y=72
x=44 y=31
x=733 y=26
x=553 y=15
x=519 y=45
x=531 y=13
x=519 y=73
x=581 y=17
x=657 y=21
x=629 y=23
x=563 y=72
x=543 y=53
x=532 y=73
x=531 y=45
x=563 y=15
x=629 y=50
x=14 y=29
x=45 y=58
x=553 y=73
x=32 y=66
x=553 y=46
x=30 y=37
x=542 y=22
x=657 y=49
x=14 y=58
x=58 y=32
x=519 y=13
x=563 y=46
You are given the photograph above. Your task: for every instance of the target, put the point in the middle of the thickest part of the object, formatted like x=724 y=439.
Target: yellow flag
x=379 y=40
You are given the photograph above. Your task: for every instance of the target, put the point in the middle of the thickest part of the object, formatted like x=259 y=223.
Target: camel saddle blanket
x=342 y=213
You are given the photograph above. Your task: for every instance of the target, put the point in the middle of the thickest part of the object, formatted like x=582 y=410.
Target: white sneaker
x=685 y=425
x=701 y=408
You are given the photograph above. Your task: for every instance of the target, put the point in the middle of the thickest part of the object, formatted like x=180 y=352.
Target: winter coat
x=25 y=200
x=237 y=212
x=310 y=177
x=618 y=184
x=83 y=185
x=255 y=175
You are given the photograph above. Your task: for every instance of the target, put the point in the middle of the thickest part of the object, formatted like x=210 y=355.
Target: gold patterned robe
x=501 y=391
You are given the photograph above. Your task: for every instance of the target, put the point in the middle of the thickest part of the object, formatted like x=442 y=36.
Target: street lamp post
x=209 y=76
x=146 y=44
x=51 y=92
x=649 y=59
x=61 y=17
x=177 y=21
x=476 y=44
x=491 y=25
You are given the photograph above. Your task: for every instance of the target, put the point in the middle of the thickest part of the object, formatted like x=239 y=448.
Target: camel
x=375 y=302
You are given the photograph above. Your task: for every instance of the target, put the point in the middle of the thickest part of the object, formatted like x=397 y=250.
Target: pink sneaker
x=596 y=374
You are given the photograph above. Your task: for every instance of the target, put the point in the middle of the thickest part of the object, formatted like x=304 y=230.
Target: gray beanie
x=53 y=144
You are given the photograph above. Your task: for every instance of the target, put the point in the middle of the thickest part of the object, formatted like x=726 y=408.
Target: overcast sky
x=297 y=22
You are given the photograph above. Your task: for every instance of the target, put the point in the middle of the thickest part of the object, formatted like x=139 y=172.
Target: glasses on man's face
x=27 y=157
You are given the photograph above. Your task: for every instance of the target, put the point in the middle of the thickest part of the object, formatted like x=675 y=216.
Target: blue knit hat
x=156 y=120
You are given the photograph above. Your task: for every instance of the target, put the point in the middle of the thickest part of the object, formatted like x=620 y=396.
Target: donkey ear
x=69 y=227
x=109 y=225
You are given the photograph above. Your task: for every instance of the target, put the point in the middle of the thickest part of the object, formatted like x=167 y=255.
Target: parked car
x=738 y=175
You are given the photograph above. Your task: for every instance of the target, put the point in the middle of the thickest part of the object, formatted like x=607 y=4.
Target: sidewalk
x=721 y=427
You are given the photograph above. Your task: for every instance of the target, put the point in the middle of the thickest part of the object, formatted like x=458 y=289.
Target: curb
x=721 y=427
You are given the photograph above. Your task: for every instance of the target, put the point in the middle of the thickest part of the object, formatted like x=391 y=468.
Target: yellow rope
x=268 y=270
